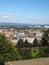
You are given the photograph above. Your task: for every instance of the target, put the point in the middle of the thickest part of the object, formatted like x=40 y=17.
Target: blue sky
x=24 y=11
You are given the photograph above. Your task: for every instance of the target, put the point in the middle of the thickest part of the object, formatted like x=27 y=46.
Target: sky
x=24 y=11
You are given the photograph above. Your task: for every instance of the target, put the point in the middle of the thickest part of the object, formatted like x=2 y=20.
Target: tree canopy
x=7 y=51
x=35 y=42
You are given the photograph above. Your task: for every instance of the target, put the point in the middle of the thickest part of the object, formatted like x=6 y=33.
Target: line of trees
x=22 y=44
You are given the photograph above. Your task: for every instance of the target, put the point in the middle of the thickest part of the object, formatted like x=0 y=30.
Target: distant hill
x=22 y=24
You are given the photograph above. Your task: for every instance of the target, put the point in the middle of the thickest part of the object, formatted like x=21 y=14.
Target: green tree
x=25 y=53
x=20 y=44
x=44 y=40
x=35 y=42
x=48 y=35
x=7 y=51
x=27 y=44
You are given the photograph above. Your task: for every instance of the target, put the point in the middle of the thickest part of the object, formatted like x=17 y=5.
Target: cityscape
x=24 y=32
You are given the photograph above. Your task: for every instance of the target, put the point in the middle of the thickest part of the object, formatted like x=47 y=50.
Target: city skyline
x=24 y=11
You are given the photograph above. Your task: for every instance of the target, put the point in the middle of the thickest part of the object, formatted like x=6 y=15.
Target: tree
x=20 y=44
x=27 y=44
x=48 y=30
x=25 y=53
x=35 y=42
x=7 y=51
x=44 y=40
x=48 y=35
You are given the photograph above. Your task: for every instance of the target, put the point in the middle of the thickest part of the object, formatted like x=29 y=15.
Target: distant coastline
x=22 y=24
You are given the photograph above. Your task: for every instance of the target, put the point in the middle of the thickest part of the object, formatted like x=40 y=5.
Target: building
x=38 y=36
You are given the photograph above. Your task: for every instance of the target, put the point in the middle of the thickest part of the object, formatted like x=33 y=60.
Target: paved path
x=10 y=63
x=40 y=61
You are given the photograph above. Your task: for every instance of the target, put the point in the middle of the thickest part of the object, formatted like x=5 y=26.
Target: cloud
x=5 y=16
x=8 y=17
x=33 y=20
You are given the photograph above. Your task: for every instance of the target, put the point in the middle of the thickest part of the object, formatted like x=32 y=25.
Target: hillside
x=40 y=61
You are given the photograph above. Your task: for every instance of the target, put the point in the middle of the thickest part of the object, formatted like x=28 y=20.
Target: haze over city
x=24 y=11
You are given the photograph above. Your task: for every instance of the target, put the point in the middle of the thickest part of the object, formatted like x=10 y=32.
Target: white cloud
x=33 y=20
x=5 y=16
x=8 y=17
